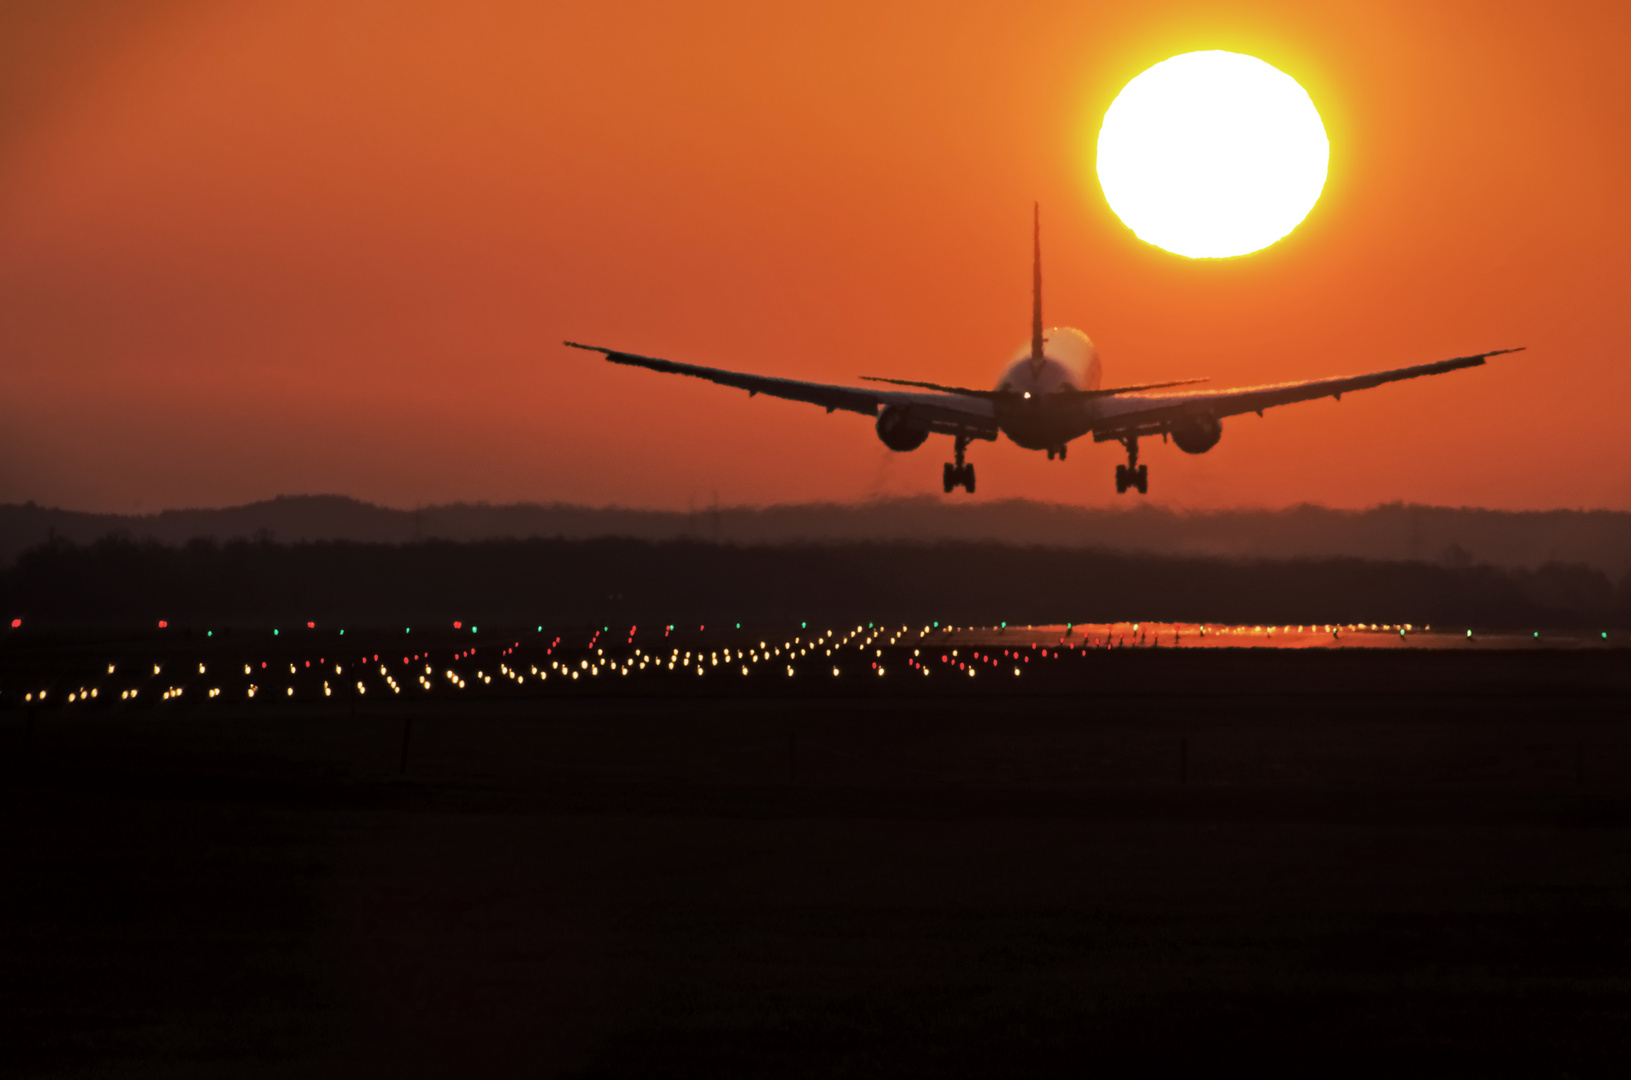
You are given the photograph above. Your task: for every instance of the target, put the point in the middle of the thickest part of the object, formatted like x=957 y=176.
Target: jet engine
x=901 y=429
x=1197 y=434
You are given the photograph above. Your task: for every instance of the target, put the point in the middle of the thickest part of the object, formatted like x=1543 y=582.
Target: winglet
x=1036 y=284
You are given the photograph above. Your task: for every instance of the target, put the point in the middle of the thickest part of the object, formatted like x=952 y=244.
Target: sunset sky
x=253 y=249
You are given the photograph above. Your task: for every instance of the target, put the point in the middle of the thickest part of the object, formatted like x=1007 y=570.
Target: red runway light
x=457 y=625
x=15 y=623
x=162 y=624
x=311 y=626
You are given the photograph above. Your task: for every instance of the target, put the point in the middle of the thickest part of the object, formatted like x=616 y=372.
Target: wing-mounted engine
x=1197 y=434
x=902 y=429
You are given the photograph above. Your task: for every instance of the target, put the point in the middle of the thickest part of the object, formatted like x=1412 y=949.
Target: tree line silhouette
x=120 y=581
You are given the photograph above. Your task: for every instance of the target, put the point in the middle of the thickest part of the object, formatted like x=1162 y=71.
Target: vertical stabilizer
x=1036 y=287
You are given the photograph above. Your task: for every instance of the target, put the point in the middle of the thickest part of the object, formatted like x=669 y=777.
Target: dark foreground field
x=1305 y=871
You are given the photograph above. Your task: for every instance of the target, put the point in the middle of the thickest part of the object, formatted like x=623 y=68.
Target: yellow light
x=1212 y=154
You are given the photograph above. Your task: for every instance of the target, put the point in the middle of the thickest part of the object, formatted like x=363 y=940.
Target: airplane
x=1049 y=394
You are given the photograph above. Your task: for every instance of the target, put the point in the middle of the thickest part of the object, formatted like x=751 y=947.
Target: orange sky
x=262 y=248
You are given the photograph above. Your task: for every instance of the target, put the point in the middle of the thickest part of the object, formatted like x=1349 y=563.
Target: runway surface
x=1124 y=860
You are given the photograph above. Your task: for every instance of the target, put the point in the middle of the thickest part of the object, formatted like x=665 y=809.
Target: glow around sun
x=1212 y=154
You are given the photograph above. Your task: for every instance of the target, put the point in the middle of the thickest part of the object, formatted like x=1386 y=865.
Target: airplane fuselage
x=1038 y=420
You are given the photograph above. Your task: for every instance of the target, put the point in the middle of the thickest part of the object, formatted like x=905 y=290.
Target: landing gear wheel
x=1132 y=474
x=958 y=474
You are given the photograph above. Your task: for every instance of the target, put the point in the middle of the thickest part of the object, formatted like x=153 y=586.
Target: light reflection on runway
x=1323 y=636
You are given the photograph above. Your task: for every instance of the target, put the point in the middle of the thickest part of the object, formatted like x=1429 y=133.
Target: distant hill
x=1600 y=539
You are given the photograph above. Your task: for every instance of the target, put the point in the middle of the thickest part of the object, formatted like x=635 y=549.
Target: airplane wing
x=947 y=413
x=1153 y=414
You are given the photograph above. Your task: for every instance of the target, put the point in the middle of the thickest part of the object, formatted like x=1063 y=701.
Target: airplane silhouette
x=1049 y=395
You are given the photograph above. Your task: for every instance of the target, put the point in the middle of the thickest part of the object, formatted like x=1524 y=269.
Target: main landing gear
x=1132 y=474
x=958 y=475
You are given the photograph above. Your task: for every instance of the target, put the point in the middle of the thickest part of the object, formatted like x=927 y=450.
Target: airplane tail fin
x=1036 y=286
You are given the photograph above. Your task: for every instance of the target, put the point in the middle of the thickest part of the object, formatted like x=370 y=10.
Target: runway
x=1131 y=859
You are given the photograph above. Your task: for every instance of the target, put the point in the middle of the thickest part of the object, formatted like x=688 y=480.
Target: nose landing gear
x=959 y=475
x=1132 y=474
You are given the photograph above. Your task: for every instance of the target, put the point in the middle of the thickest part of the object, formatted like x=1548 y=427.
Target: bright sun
x=1212 y=154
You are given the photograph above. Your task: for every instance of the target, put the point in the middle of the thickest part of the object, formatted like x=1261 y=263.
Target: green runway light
x=211 y=633
x=473 y=629
x=739 y=626
x=274 y=633
x=804 y=626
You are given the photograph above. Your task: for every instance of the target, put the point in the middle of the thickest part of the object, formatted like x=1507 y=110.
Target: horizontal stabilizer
x=1007 y=395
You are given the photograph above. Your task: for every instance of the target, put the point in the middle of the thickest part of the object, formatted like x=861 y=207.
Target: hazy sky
x=260 y=248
